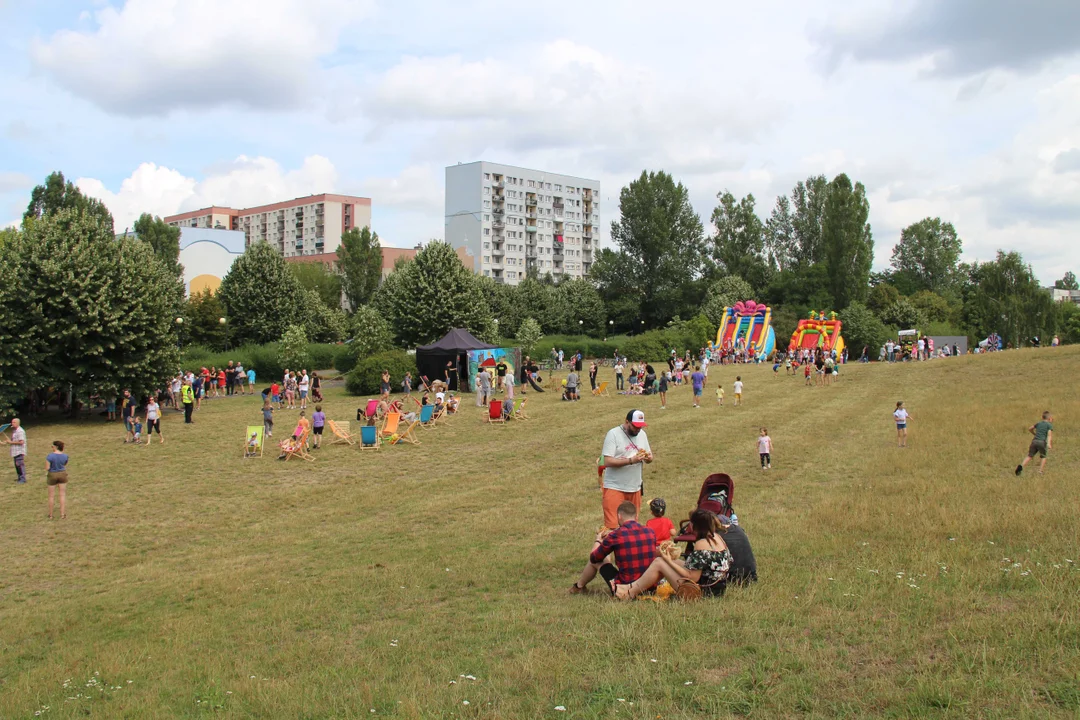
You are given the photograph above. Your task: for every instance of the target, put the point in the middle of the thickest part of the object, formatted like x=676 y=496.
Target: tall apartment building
x=513 y=219
x=309 y=225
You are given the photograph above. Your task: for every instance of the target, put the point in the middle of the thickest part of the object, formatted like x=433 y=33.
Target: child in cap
x=661 y=526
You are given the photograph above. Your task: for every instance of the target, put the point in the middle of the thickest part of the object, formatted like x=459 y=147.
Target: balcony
x=557 y=204
x=530 y=214
x=530 y=199
x=498 y=224
x=299 y=244
x=498 y=211
x=498 y=184
x=530 y=228
x=587 y=234
x=497 y=251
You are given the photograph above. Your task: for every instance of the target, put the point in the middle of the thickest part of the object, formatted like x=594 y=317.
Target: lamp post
x=224 y=324
x=179 y=333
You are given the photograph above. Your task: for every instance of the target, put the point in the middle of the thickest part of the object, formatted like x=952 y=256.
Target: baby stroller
x=716 y=496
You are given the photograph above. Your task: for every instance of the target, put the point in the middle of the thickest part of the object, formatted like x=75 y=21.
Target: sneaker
x=768 y=467
x=575 y=590
x=1019 y=469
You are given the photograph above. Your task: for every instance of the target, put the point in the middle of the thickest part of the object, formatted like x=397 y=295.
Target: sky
x=968 y=109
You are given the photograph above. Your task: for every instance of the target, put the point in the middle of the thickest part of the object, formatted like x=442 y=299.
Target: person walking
x=187 y=395
x=153 y=420
x=901 y=416
x=18 y=449
x=1043 y=440
x=626 y=448
x=697 y=382
x=57 y=477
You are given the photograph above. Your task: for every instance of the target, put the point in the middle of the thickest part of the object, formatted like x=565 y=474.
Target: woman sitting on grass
x=708 y=564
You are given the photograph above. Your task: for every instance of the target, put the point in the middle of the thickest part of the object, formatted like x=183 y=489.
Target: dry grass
x=253 y=588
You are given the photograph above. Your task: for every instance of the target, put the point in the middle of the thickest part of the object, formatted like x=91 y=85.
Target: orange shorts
x=612 y=500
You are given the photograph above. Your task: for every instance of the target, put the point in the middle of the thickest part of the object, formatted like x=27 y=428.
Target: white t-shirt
x=901 y=416
x=439 y=397
x=738 y=388
x=304 y=382
x=764 y=443
x=152 y=411
x=619 y=444
x=20 y=434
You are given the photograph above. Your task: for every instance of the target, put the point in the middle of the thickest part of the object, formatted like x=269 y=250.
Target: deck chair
x=495 y=413
x=408 y=435
x=601 y=390
x=427 y=417
x=519 y=410
x=369 y=412
x=253 y=431
x=342 y=432
x=552 y=382
x=369 y=438
x=297 y=449
x=390 y=426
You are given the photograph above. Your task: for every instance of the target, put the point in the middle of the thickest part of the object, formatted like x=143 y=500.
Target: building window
x=487 y=231
x=487 y=259
x=486 y=244
x=558 y=188
x=487 y=191
x=487 y=203
x=487 y=176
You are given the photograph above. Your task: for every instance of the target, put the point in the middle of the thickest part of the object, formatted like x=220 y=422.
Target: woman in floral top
x=708 y=562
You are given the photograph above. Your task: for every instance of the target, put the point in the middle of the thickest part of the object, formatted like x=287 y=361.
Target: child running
x=318 y=421
x=661 y=526
x=806 y=373
x=738 y=390
x=901 y=416
x=719 y=394
x=268 y=418
x=1043 y=441
x=764 y=448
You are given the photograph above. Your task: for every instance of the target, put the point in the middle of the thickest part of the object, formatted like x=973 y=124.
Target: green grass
x=926 y=582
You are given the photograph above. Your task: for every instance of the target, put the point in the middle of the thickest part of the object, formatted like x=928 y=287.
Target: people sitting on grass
x=661 y=526
x=634 y=546
x=707 y=565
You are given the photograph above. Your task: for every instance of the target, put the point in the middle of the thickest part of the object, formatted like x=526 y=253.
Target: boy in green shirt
x=1043 y=441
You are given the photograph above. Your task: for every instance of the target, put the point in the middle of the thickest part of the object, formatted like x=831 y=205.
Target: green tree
x=862 y=328
x=202 y=315
x=360 y=263
x=261 y=295
x=738 y=248
x=928 y=252
x=57 y=194
x=1004 y=296
x=431 y=295
x=903 y=315
x=321 y=323
x=1068 y=282
x=801 y=288
x=882 y=296
x=293 y=351
x=781 y=243
x=164 y=239
x=613 y=275
x=722 y=294
x=661 y=241
x=847 y=242
x=537 y=300
x=934 y=307
x=502 y=299
x=582 y=309
x=318 y=277
x=528 y=335
x=22 y=346
x=369 y=331
x=807 y=219
x=107 y=305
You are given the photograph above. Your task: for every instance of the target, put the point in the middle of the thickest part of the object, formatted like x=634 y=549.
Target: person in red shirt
x=634 y=546
x=221 y=381
x=661 y=526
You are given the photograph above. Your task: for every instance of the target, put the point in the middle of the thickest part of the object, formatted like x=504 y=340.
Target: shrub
x=366 y=377
x=321 y=355
x=293 y=352
x=861 y=327
x=649 y=346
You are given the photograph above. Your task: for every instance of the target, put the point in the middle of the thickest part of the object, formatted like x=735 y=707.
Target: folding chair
x=390 y=426
x=601 y=390
x=495 y=413
x=427 y=415
x=369 y=412
x=408 y=435
x=298 y=448
x=369 y=438
x=519 y=410
x=342 y=433
x=257 y=450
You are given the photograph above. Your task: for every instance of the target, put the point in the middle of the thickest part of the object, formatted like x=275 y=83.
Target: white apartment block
x=513 y=219
x=309 y=225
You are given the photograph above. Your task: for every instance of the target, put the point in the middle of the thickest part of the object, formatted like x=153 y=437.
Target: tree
x=934 y=307
x=202 y=314
x=612 y=273
x=781 y=243
x=738 y=247
x=928 y=252
x=722 y=294
x=1003 y=296
x=107 y=305
x=369 y=331
x=882 y=296
x=293 y=352
x=318 y=277
x=582 y=309
x=261 y=295
x=537 y=300
x=846 y=240
x=528 y=335
x=22 y=347
x=57 y=194
x=807 y=218
x=660 y=238
x=903 y=315
x=321 y=323
x=502 y=299
x=431 y=295
x=1068 y=282
x=862 y=328
x=360 y=263
x=164 y=239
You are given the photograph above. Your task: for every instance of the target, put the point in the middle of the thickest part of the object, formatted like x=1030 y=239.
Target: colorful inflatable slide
x=817 y=332
x=747 y=324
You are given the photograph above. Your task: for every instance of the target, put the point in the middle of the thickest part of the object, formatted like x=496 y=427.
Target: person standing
x=697 y=381
x=484 y=379
x=230 y=378
x=663 y=390
x=251 y=379
x=619 y=375
x=384 y=386
x=127 y=412
x=508 y=383
x=1043 y=432
x=593 y=370
x=318 y=421
x=500 y=373
x=153 y=420
x=451 y=375
x=305 y=386
x=901 y=417
x=18 y=450
x=626 y=448
x=57 y=477
x=187 y=395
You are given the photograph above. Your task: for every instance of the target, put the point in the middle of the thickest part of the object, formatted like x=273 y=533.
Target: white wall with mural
x=207 y=255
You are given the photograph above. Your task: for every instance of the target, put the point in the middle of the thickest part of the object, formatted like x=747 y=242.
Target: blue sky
x=964 y=110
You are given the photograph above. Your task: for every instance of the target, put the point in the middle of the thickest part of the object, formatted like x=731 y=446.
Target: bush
x=591 y=347
x=861 y=327
x=293 y=352
x=366 y=377
x=651 y=346
x=322 y=355
x=263 y=359
x=346 y=357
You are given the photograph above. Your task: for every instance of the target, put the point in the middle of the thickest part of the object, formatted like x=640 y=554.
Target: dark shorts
x=317 y=430
x=152 y=425
x=386 y=388
x=697 y=392
x=57 y=478
x=1037 y=446
x=129 y=425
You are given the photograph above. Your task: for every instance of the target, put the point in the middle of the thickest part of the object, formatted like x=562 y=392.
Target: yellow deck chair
x=408 y=435
x=253 y=451
x=601 y=390
x=519 y=410
x=342 y=432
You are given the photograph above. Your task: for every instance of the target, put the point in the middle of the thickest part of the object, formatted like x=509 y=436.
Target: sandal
x=624 y=592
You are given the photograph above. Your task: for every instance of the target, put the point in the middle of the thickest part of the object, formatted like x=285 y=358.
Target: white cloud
x=414 y=188
x=13 y=181
x=154 y=56
x=243 y=183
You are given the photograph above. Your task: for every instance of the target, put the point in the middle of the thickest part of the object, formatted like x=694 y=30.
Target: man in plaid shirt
x=634 y=546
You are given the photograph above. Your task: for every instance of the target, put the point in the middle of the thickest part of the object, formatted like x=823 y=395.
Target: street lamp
x=179 y=332
x=222 y=322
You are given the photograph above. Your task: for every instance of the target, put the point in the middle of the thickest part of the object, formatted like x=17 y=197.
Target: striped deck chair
x=369 y=438
x=390 y=426
x=342 y=433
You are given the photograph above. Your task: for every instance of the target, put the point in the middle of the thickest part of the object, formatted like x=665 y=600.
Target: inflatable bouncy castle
x=817 y=332
x=747 y=325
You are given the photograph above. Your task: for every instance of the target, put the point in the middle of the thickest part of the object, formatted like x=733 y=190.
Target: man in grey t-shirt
x=626 y=449
x=572 y=381
x=485 y=386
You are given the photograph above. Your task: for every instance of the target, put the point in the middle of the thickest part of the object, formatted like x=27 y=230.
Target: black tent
x=453 y=347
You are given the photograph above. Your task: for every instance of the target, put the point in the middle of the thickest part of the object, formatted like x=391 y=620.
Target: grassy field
x=431 y=581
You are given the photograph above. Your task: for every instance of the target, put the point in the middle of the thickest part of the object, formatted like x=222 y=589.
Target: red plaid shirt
x=634 y=546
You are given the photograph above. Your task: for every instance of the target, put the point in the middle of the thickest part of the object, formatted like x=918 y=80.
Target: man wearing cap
x=626 y=448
